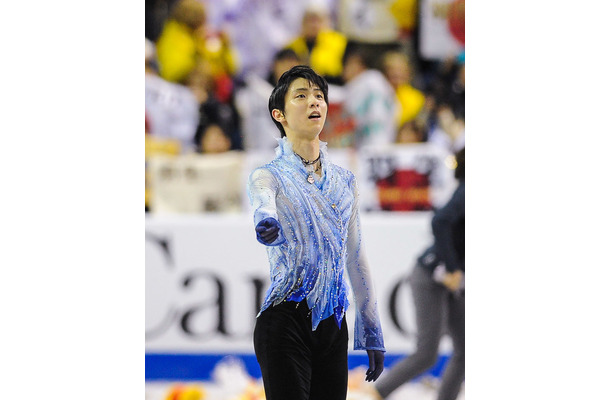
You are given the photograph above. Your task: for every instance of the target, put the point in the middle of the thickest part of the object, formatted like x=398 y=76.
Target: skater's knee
x=426 y=357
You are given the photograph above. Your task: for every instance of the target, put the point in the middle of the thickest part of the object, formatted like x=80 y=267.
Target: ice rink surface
x=409 y=391
x=232 y=384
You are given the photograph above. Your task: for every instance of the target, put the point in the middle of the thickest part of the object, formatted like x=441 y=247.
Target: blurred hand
x=452 y=280
x=267 y=231
x=376 y=358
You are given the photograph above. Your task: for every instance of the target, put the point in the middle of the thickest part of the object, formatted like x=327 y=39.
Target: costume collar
x=284 y=150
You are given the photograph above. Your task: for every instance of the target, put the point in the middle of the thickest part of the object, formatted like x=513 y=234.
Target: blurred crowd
x=210 y=67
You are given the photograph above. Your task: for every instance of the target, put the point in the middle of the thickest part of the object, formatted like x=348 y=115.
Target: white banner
x=193 y=183
x=414 y=177
x=206 y=277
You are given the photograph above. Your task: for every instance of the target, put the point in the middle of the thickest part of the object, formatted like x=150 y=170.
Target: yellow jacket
x=179 y=51
x=411 y=102
x=326 y=55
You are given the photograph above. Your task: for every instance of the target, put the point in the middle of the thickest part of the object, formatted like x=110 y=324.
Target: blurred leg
x=454 y=374
x=428 y=298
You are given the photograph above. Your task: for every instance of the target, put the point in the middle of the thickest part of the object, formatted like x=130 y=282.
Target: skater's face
x=304 y=110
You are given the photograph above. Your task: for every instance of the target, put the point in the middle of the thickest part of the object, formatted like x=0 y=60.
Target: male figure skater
x=306 y=212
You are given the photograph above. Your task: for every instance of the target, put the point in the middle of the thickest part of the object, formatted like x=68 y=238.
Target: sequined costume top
x=318 y=241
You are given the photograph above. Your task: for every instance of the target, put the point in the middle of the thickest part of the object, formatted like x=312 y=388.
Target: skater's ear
x=278 y=115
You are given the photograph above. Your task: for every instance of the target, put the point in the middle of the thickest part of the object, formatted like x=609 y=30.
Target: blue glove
x=267 y=231
x=376 y=358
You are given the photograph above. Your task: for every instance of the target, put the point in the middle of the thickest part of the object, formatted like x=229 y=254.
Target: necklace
x=307 y=164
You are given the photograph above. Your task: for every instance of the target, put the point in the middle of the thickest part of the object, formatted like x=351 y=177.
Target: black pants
x=296 y=362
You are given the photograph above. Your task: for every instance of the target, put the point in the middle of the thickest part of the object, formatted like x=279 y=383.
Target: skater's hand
x=452 y=280
x=376 y=358
x=267 y=231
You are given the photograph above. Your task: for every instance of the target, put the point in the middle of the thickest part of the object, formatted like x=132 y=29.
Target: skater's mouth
x=314 y=114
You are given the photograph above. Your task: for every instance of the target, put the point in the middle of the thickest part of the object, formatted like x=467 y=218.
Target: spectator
x=369 y=100
x=258 y=130
x=449 y=131
x=449 y=86
x=185 y=42
x=214 y=116
x=214 y=140
x=397 y=70
x=155 y=13
x=258 y=28
x=171 y=109
x=456 y=93
x=318 y=45
x=380 y=26
x=448 y=92
x=413 y=131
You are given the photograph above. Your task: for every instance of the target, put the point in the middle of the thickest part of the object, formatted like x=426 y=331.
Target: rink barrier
x=206 y=277
x=199 y=367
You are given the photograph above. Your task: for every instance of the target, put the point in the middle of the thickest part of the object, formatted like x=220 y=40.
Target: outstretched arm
x=262 y=189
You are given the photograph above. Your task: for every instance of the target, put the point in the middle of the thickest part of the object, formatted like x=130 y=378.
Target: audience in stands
x=258 y=29
x=215 y=115
x=414 y=131
x=318 y=45
x=214 y=141
x=447 y=128
x=410 y=100
x=185 y=42
x=171 y=109
x=257 y=128
x=376 y=26
x=369 y=100
x=204 y=97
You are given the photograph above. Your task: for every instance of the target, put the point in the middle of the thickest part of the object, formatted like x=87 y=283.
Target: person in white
x=258 y=130
x=369 y=100
x=171 y=109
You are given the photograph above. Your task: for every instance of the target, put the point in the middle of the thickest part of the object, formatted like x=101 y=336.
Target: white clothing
x=257 y=127
x=172 y=111
x=370 y=100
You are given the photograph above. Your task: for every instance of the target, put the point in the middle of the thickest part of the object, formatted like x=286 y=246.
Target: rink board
x=206 y=276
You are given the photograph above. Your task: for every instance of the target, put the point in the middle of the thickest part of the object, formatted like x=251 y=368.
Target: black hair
x=278 y=96
x=283 y=54
x=286 y=53
x=356 y=50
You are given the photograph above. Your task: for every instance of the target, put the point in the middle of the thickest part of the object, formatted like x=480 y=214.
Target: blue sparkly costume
x=319 y=240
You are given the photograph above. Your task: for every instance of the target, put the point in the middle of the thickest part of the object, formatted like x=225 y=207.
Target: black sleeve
x=448 y=229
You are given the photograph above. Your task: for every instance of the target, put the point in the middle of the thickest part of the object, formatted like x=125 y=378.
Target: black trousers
x=296 y=362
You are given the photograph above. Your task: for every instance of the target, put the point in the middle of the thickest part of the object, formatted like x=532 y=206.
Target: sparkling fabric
x=319 y=240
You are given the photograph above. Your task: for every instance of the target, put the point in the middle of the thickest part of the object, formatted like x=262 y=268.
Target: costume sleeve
x=443 y=224
x=262 y=191
x=367 y=329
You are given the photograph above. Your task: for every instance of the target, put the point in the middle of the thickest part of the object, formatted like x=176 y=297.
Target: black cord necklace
x=306 y=163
